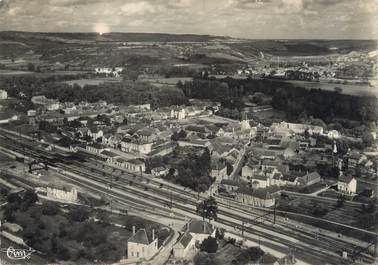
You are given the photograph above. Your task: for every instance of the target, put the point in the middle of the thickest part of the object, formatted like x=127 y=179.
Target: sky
x=255 y=19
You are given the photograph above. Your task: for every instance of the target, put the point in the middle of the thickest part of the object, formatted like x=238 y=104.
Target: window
x=132 y=254
x=142 y=249
x=137 y=254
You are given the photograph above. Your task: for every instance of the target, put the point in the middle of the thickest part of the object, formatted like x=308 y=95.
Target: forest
x=293 y=100
x=125 y=92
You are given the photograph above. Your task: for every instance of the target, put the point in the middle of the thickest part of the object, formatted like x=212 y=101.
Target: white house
x=95 y=133
x=142 y=245
x=333 y=134
x=347 y=184
x=194 y=232
x=64 y=194
x=136 y=146
x=3 y=94
x=159 y=171
x=184 y=246
x=31 y=113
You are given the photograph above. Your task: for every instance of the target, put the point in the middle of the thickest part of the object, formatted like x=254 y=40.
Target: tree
x=340 y=202
x=78 y=215
x=209 y=245
x=367 y=139
x=50 y=208
x=208 y=209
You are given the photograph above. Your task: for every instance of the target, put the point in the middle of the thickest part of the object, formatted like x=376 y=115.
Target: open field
x=93 y=82
x=344 y=214
x=350 y=89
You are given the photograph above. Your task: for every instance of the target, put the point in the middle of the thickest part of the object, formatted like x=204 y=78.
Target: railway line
x=188 y=204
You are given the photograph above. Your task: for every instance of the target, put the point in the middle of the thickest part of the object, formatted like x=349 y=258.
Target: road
x=318 y=249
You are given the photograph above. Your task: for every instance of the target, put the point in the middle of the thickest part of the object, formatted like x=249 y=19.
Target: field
x=350 y=89
x=348 y=215
x=166 y=81
x=93 y=82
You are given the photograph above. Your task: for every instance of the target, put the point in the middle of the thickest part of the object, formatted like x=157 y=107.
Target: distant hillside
x=108 y=37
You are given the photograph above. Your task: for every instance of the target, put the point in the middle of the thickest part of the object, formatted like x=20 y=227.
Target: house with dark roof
x=256 y=197
x=95 y=133
x=184 y=245
x=231 y=186
x=193 y=233
x=159 y=171
x=308 y=179
x=142 y=245
x=136 y=165
x=218 y=170
x=200 y=230
x=347 y=184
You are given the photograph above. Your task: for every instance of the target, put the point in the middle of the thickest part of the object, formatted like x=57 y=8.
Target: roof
x=136 y=161
x=141 y=237
x=217 y=164
x=158 y=169
x=109 y=153
x=345 y=179
x=262 y=193
x=230 y=182
x=145 y=132
x=199 y=227
x=268 y=259
x=308 y=177
x=185 y=239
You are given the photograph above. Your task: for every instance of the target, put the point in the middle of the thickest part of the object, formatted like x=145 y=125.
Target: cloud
x=138 y=8
x=240 y=18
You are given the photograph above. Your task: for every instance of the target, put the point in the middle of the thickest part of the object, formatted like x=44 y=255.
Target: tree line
x=291 y=99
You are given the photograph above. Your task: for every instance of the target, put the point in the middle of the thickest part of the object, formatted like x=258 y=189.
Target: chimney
x=133 y=229
x=153 y=234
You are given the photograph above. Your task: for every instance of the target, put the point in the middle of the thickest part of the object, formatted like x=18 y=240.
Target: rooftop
x=141 y=237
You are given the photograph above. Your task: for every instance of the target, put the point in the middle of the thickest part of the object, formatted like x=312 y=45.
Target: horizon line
x=181 y=34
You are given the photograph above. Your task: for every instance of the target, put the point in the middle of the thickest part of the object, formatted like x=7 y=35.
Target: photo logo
x=19 y=254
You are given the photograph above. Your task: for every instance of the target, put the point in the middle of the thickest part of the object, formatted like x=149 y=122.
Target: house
x=130 y=145
x=63 y=194
x=355 y=158
x=83 y=131
x=109 y=156
x=147 y=135
x=184 y=245
x=178 y=113
x=296 y=128
x=259 y=181
x=255 y=197
x=31 y=113
x=95 y=148
x=159 y=171
x=289 y=153
x=3 y=94
x=112 y=140
x=49 y=104
x=200 y=230
x=95 y=133
x=134 y=165
x=218 y=170
x=230 y=186
x=308 y=179
x=333 y=134
x=347 y=184
x=193 y=233
x=142 y=245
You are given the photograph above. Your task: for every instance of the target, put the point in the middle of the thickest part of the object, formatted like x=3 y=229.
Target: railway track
x=164 y=200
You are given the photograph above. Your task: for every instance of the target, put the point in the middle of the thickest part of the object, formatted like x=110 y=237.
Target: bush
x=209 y=245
